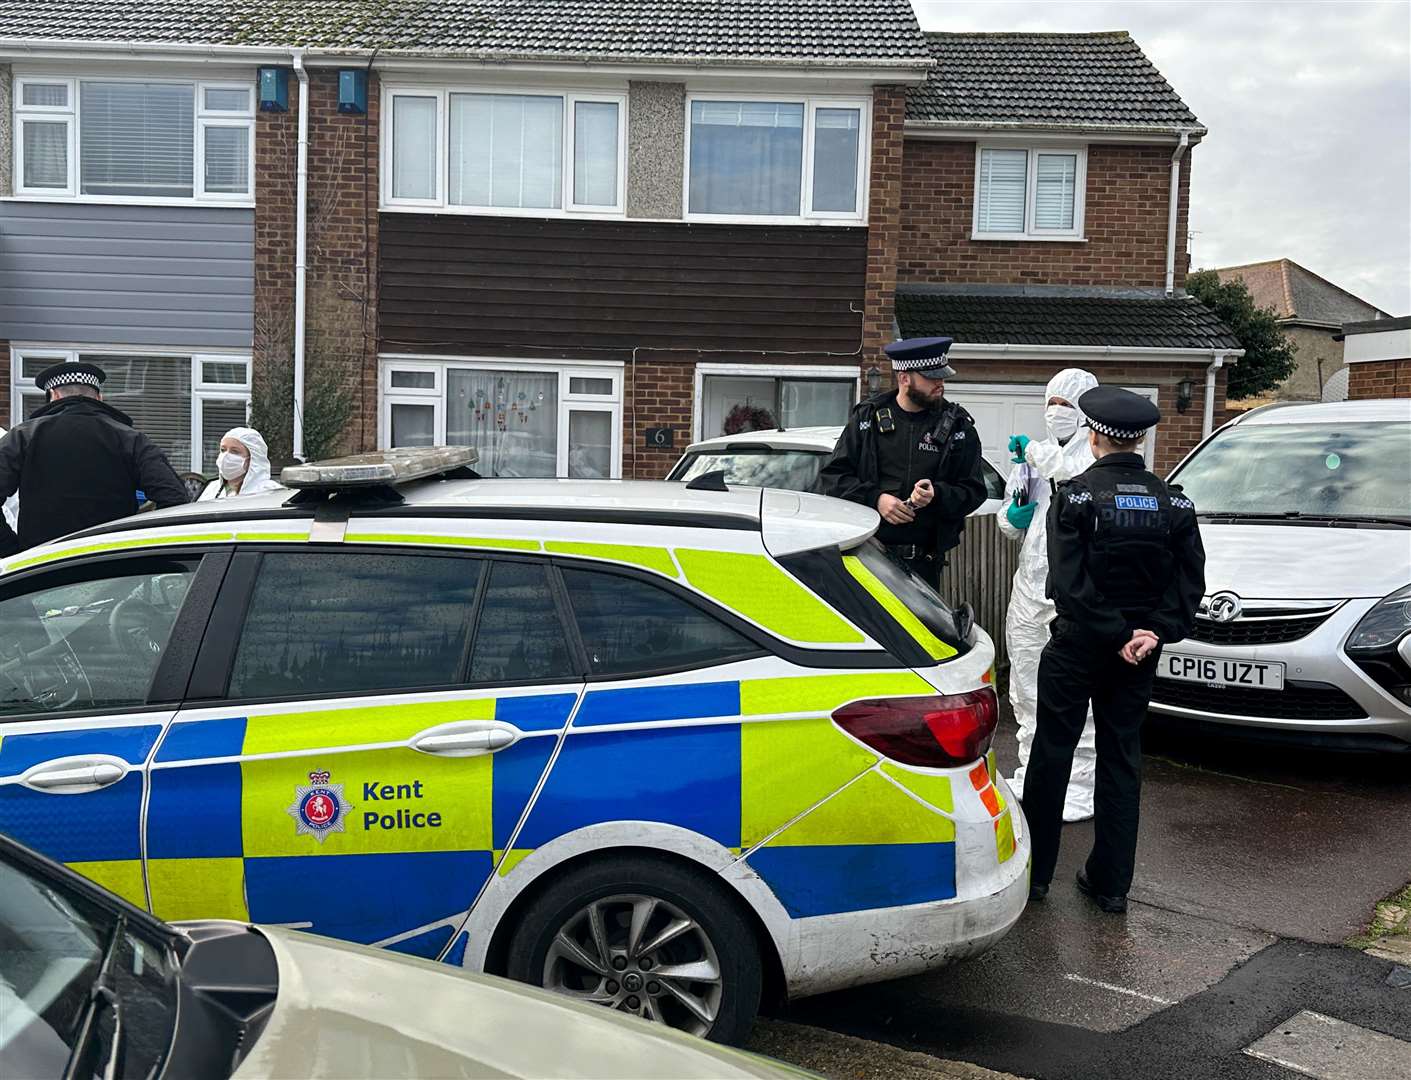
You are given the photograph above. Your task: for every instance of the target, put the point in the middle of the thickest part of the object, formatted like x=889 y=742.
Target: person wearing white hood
x=243 y=466
x=1040 y=466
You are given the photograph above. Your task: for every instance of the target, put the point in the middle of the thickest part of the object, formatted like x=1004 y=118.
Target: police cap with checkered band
x=67 y=374
x=1118 y=413
x=925 y=356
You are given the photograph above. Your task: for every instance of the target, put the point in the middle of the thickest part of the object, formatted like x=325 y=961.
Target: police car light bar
x=379 y=468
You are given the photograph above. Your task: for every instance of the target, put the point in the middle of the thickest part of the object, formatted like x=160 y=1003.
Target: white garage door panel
x=1004 y=409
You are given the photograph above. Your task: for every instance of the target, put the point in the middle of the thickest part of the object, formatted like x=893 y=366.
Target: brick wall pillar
x=276 y=144
x=883 y=220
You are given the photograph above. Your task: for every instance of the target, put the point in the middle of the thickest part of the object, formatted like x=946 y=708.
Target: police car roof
x=821 y=439
x=1331 y=412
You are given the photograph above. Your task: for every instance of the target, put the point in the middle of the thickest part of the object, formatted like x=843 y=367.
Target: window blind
x=1055 y=183
x=227 y=160
x=136 y=138
x=155 y=391
x=1003 y=175
x=507 y=150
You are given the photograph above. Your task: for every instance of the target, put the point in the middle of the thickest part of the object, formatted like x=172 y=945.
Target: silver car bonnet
x=1315 y=562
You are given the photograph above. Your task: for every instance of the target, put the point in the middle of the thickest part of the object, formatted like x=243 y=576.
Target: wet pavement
x=1254 y=864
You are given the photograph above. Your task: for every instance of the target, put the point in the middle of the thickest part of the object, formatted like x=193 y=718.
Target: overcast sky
x=1309 y=110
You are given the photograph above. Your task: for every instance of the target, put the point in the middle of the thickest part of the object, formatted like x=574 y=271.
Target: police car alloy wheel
x=647 y=937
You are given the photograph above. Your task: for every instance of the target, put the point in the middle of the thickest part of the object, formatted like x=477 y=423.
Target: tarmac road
x=1253 y=865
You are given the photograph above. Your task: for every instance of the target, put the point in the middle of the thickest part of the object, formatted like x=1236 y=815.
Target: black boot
x=1113 y=905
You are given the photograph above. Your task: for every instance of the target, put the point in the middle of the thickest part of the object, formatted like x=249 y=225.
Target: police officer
x=912 y=456
x=1126 y=571
x=78 y=462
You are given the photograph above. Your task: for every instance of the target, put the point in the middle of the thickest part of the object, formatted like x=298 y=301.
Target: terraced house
x=579 y=233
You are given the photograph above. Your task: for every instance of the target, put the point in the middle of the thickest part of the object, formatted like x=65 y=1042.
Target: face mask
x=230 y=465
x=1062 y=421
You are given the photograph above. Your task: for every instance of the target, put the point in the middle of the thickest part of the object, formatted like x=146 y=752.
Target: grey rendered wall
x=656 y=147
x=127 y=275
x=6 y=156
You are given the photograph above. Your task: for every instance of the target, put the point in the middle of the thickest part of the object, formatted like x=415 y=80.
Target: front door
x=362 y=761
x=91 y=664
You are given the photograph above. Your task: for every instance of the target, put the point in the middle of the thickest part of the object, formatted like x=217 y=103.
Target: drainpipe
x=1209 y=421
x=301 y=225
x=1171 y=213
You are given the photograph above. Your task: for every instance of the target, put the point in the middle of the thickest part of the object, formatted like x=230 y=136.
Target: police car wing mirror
x=711 y=481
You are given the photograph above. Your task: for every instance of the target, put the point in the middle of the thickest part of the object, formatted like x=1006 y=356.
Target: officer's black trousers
x=1073 y=671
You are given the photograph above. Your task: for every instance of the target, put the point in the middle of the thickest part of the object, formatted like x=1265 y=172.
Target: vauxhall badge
x=319 y=807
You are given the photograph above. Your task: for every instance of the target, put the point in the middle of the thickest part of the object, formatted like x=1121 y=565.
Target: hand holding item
x=1021 y=516
x=1017 y=445
x=1142 y=645
x=895 y=511
x=921 y=494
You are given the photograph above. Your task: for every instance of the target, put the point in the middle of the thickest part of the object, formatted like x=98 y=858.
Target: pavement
x=1255 y=866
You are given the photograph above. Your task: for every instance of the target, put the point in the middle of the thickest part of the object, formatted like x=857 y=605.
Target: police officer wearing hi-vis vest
x=912 y=456
x=1126 y=571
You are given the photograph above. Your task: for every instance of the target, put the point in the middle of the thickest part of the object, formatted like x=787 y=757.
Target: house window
x=184 y=403
x=732 y=403
x=524 y=419
x=1031 y=193
x=800 y=159
x=116 y=140
x=483 y=152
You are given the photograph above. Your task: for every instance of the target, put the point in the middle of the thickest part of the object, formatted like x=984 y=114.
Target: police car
x=659 y=749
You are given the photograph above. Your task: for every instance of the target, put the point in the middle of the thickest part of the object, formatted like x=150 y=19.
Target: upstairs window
x=1029 y=193
x=490 y=152
x=117 y=139
x=800 y=159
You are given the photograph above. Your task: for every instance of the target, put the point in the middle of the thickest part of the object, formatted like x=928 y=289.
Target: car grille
x=1296 y=701
x=1256 y=631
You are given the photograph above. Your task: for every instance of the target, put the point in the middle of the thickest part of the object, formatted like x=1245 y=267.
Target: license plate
x=1213 y=672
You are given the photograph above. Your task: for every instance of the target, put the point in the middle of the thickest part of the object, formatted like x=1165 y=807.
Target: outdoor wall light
x=1184 y=389
x=874 y=381
x=274 y=89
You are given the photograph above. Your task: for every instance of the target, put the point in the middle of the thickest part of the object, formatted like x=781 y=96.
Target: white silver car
x=1305 y=629
x=789 y=459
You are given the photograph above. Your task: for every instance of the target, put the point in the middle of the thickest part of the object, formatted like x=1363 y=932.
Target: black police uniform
x=884 y=449
x=1124 y=553
x=78 y=462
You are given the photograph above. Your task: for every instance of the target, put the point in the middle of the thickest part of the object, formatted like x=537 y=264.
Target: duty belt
x=911 y=552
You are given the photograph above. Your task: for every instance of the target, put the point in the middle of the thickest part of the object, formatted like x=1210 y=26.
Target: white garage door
x=1004 y=409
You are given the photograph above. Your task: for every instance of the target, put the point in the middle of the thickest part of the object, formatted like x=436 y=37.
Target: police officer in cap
x=78 y=462
x=912 y=456
x=1126 y=571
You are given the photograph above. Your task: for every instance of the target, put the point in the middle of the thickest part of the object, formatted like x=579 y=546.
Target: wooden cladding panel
x=464 y=284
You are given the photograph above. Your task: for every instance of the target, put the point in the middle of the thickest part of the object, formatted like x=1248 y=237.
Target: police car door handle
x=465 y=738
x=74 y=775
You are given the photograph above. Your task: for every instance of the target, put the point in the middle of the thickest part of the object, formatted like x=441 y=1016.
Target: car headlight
x=1385 y=625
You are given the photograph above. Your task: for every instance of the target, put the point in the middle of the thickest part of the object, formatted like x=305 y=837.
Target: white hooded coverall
x=257 y=478
x=1030 y=612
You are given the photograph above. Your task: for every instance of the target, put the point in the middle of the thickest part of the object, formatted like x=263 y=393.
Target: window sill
x=764 y=219
x=1027 y=237
x=99 y=200
x=482 y=211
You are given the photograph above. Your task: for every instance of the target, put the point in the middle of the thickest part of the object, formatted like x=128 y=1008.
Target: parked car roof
x=820 y=439
x=1327 y=412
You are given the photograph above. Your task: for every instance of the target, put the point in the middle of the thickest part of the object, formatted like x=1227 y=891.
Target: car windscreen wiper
x=101 y=993
x=1300 y=515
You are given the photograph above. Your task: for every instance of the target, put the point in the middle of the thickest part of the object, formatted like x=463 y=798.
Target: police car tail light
x=934 y=732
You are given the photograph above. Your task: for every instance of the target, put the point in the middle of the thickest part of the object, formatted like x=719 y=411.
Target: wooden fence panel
x=979 y=572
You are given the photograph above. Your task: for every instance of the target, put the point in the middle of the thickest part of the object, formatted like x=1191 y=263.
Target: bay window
x=184 y=403
x=495 y=152
x=796 y=159
x=125 y=139
x=1029 y=193
x=524 y=418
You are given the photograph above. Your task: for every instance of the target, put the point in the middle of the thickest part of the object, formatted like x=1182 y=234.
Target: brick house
x=1311 y=311
x=1378 y=358
x=579 y=234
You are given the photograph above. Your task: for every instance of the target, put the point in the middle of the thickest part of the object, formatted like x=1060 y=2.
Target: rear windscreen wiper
x=101 y=993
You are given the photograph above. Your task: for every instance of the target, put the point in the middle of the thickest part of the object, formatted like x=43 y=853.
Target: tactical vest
x=1130 y=558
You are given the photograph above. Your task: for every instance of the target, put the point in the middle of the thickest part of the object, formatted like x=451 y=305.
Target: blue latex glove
x=1020 y=516
x=1017 y=446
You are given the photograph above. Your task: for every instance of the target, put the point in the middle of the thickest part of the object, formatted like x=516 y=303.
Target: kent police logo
x=319 y=807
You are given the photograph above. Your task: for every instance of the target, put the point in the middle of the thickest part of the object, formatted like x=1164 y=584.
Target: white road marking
x=1330 y=1049
x=1114 y=988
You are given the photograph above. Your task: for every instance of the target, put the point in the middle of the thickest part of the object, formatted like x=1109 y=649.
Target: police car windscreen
x=794 y=470
x=1319 y=470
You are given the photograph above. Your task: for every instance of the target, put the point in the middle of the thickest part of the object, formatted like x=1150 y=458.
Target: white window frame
x=806 y=215
x=827 y=372
x=1031 y=231
x=568 y=402
x=200 y=119
x=47 y=114
x=441 y=202
x=201 y=391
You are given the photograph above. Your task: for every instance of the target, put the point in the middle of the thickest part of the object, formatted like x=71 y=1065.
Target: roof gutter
x=301 y=227
x=1171 y=213
x=962 y=349
x=951 y=129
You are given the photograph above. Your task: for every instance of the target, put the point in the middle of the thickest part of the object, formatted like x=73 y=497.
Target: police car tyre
x=646 y=937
